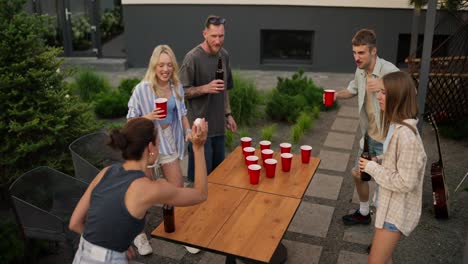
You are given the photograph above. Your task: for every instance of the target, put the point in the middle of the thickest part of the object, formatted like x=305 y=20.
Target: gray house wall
x=180 y=26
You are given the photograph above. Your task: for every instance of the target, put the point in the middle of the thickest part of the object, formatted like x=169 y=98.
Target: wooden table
x=239 y=219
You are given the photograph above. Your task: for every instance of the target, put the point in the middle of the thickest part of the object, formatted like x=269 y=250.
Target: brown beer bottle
x=168 y=217
x=220 y=72
x=366 y=155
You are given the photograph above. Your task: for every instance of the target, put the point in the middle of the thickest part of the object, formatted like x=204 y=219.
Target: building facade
x=275 y=34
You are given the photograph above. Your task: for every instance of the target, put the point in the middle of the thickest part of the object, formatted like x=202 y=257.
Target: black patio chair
x=90 y=154
x=43 y=200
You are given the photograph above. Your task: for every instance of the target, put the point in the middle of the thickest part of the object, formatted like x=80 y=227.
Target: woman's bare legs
x=383 y=245
x=173 y=173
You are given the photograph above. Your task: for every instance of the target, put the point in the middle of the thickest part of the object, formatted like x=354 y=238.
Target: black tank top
x=108 y=223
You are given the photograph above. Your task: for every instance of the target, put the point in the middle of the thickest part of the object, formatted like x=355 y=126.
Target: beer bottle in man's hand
x=366 y=155
x=220 y=72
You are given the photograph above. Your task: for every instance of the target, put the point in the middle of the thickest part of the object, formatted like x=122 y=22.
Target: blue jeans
x=375 y=149
x=214 y=155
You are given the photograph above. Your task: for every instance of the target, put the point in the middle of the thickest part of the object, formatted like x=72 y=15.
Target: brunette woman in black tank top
x=110 y=214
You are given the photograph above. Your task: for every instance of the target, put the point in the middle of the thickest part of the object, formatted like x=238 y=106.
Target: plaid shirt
x=400 y=179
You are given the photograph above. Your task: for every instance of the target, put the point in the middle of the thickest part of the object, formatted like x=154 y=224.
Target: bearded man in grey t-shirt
x=207 y=97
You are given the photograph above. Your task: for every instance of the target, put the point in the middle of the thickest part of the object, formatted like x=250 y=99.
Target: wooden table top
x=234 y=221
x=233 y=172
x=257 y=226
x=198 y=225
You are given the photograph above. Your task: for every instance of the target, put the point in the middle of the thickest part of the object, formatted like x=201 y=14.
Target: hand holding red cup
x=161 y=103
x=329 y=96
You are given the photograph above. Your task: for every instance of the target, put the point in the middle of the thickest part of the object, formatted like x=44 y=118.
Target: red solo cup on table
x=246 y=142
x=306 y=151
x=270 y=167
x=286 y=160
x=249 y=151
x=265 y=144
x=285 y=148
x=329 y=97
x=162 y=104
x=254 y=173
x=249 y=160
x=267 y=154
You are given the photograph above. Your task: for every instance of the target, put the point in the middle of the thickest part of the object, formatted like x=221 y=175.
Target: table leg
x=280 y=256
x=230 y=259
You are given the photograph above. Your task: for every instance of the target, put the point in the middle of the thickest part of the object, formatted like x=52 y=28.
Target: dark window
x=404 y=42
x=286 y=46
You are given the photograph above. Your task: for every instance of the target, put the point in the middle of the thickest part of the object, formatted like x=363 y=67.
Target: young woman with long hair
x=161 y=81
x=400 y=176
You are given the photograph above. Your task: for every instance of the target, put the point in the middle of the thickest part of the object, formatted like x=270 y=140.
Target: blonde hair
x=150 y=75
x=400 y=100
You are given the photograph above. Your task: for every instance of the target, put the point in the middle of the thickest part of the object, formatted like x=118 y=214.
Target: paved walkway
x=316 y=234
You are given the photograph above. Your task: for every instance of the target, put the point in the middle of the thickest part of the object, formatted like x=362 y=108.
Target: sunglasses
x=215 y=21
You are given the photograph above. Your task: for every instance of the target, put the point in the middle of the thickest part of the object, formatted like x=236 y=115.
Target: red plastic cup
x=285 y=148
x=254 y=173
x=286 y=160
x=267 y=154
x=249 y=160
x=306 y=151
x=270 y=167
x=246 y=142
x=249 y=151
x=162 y=104
x=265 y=144
x=329 y=97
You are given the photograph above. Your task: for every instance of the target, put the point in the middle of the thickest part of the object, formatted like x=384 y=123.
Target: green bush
x=305 y=121
x=242 y=132
x=296 y=133
x=39 y=116
x=11 y=246
x=88 y=84
x=111 y=105
x=293 y=96
x=244 y=99
x=230 y=137
x=126 y=86
x=268 y=132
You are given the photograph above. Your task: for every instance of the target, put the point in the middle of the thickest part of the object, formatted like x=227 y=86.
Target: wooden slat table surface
x=198 y=225
x=233 y=172
x=257 y=226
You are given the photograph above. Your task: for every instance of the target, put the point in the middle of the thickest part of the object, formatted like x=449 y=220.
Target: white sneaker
x=192 y=250
x=142 y=244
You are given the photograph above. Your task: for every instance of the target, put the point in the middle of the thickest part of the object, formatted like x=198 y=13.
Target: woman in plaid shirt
x=400 y=175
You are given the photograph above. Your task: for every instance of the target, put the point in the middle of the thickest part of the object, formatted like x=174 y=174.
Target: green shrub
x=39 y=117
x=11 y=246
x=244 y=99
x=230 y=137
x=296 y=133
x=88 y=84
x=305 y=121
x=126 y=86
x=111 y=105
x=295 y=95
x=268 y=132
x=242 y=132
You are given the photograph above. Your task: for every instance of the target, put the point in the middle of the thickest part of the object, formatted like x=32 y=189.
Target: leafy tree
x=39 y=116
